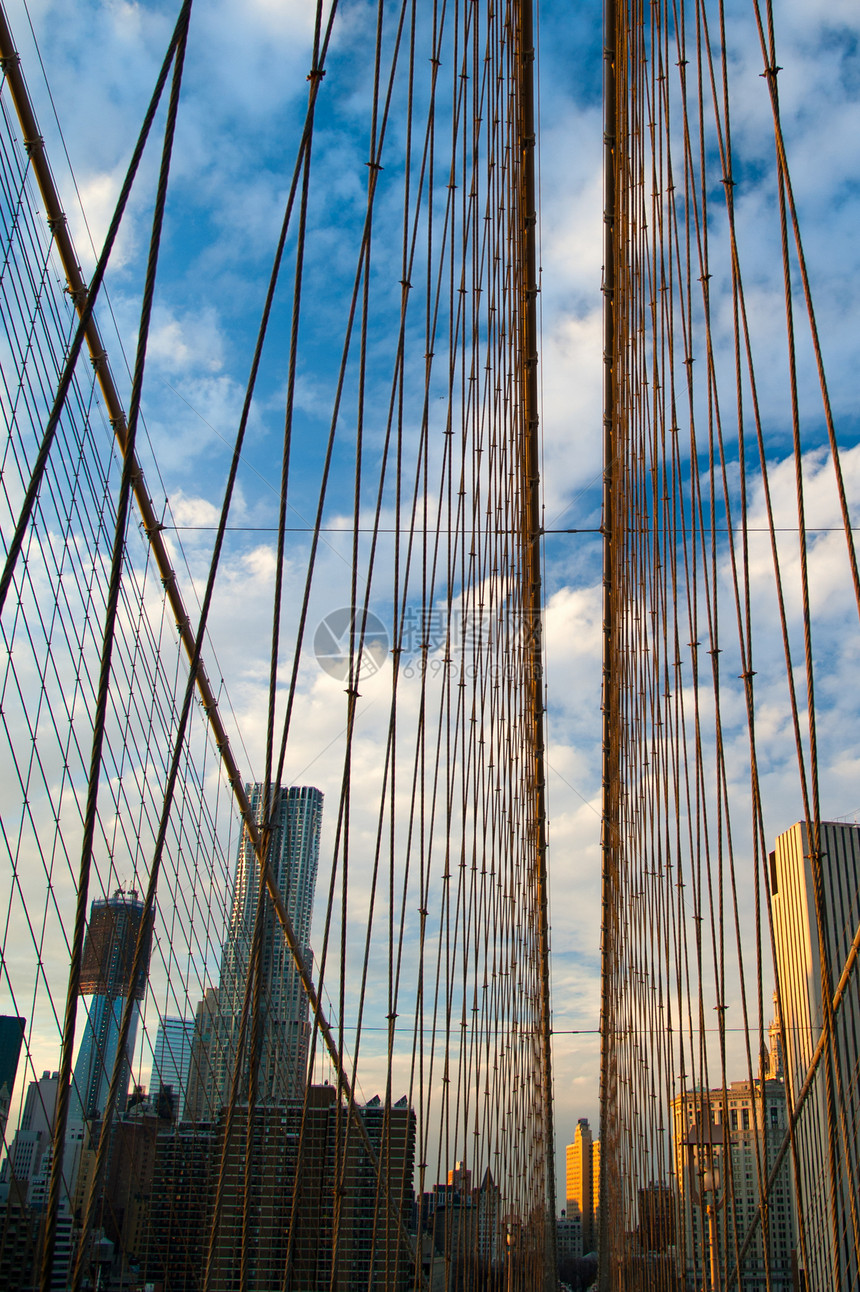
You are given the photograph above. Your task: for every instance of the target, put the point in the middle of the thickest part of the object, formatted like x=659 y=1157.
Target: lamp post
x=511 y=1224
x=705 y=1144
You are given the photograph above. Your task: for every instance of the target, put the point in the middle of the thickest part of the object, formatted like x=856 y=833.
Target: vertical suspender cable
x=192 y=643
x=532 y=591
x=609 y=831
x=99 y=725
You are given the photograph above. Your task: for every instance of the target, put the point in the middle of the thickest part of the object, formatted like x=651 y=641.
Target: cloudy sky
x=244 y=98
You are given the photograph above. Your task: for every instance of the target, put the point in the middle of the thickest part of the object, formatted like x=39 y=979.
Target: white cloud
x=187 y=343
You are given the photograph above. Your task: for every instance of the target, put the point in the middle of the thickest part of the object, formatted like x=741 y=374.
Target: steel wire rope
x=434 y=80
x=747 y=674
x=342 y=1080
x=86 y=313
x=377 y=134
x=269 y=807
x=787 y=209
x=694 y=635
x=105 y=1202
x=46 y=185
x=712 y=559
x=106 y=294
x=398 y=374
x=98 y=732
x=771 y=71
x=832 y=1075
x=712 y=381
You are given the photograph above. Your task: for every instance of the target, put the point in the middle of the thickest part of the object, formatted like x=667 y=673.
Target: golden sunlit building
x=813 y=935
x=583 y=1174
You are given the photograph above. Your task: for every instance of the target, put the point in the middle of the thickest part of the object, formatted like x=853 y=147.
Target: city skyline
x=466 y=431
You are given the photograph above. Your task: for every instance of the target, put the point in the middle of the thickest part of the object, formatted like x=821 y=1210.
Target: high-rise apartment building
x=373 y=1250
x=280 y=1064
x=656 y=1229
x=814 y=924
x=308 y=1184
x=465 y=1222
x=126 y=1188
x=581 y=1177
x=106 y=985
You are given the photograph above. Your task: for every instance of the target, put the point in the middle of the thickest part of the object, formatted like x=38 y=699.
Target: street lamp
x=511 y=1225
x=705 y=1144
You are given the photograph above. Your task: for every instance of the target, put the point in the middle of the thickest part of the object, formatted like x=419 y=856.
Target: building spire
x=774 y=1058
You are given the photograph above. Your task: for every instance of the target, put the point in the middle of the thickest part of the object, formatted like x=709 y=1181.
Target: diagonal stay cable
x=36 y=147
x=77 y=289
x=117 y=560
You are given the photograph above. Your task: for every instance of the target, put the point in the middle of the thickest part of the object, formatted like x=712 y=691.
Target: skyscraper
x=11 y=1036
x=106 y=983
x=33 y=1136
x=580 y=1181
x=281 y=1062
x=200 y=1102
x=808 y=930
x=171 y=1059
x=595 y=1193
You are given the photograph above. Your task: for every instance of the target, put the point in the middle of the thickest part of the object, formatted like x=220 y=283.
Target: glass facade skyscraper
x=106 y=984
x=171 y=1059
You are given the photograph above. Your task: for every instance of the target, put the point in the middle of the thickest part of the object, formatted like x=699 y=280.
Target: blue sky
x=243 y=101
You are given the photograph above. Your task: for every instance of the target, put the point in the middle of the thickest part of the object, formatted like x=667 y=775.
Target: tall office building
x=171 y=1059
x=581 y=1176
x=11 y=1036
x=200 y=1102
x=595 y=1193
x=805 y=932
x=106 y=985
x=281 y=1062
